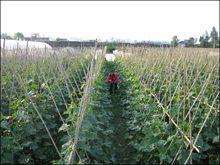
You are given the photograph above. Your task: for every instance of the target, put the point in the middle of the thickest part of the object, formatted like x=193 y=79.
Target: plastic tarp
x=14 y=44
x=110 y=57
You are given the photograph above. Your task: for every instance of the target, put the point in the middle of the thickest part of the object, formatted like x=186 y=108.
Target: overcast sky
x=156 y=21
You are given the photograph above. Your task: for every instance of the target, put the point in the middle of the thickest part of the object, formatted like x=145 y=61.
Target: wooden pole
x=214 y=43
x=17 y=49
x=45 y=49
x=2 y=54
x=27 y=49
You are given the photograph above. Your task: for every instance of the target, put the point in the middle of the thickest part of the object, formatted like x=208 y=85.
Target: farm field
x=56 y=107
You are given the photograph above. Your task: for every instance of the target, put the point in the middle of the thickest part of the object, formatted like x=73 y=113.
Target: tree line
x=205 y=41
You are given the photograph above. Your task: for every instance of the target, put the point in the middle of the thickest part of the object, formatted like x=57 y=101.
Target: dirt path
x=122 y=152
x=120 y=144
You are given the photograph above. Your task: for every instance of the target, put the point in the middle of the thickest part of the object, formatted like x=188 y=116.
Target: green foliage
x=204 y=40
x=19 y=36
x=149 y=136
x=97 y=130
x=208 y=41
x=191 y=42
x=155 y=138
x=174 y=41
x=214 y=37
x=110 y=48
x=22 y=132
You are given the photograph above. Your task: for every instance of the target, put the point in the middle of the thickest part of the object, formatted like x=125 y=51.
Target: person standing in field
x=111 y=82
x=115 y=81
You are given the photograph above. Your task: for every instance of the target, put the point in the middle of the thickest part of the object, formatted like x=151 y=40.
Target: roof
x=182 y=42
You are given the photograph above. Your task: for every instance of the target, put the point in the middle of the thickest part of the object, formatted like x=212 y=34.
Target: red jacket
x=115 y=78
x=110 y=78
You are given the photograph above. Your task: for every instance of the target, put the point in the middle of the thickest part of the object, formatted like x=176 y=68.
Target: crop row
x=174 y=113
x=38 y=93
x=57 y=108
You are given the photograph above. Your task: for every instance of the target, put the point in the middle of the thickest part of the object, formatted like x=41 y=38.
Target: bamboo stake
x=178 y=128
x=200 y=130
x=83 y=107
x=42 y=120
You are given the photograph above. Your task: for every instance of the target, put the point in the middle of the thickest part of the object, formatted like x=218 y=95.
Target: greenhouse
x=14 y=44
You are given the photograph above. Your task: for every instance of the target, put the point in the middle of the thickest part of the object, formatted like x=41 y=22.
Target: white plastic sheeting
x=115 y=52
x=14 y=44
x=110 y=57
